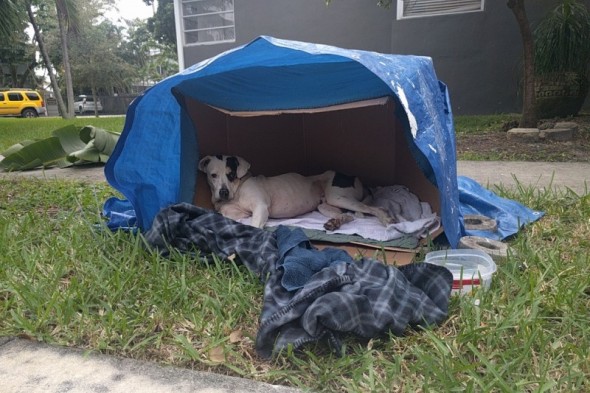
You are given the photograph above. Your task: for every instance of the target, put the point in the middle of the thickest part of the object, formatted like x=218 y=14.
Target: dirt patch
x=495 y=145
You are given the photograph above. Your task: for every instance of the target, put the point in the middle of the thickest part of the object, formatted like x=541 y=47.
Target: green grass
x=482 y=123
x=65 y=281
x=14 y=130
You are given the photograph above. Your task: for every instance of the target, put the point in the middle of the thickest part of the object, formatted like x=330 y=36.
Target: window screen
x=423 y=8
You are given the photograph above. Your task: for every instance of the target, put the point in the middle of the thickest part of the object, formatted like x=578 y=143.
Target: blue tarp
x=154 y=162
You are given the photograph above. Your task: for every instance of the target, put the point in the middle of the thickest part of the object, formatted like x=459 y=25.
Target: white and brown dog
x=236 y=194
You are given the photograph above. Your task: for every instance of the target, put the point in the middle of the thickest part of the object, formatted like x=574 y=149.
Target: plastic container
x=470 y=268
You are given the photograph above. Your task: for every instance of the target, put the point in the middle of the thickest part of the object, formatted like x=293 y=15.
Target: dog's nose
x=224 y=193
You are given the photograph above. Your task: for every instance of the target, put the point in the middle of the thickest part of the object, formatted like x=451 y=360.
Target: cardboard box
x=361 y=139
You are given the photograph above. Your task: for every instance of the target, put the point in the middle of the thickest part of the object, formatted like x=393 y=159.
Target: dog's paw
x=333 y=224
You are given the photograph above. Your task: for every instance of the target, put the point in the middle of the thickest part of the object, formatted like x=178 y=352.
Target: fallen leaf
x=236 y=336
x=217 y=355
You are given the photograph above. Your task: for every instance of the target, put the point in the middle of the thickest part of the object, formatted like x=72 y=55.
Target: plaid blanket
x=365 y=297
x=191 y=229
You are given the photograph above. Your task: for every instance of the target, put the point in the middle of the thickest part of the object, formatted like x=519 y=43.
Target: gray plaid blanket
x=362 y=297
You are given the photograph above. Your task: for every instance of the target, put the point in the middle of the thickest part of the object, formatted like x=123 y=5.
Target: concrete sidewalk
x=31 y=367
x=554 y=175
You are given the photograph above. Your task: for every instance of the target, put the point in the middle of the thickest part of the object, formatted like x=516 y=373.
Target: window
x=208 y=21
x=1 y=97
x=33 y=96
x=421 y=8
x=15 y=97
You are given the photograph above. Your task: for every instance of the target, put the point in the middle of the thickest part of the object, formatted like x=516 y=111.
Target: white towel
x=418 y=218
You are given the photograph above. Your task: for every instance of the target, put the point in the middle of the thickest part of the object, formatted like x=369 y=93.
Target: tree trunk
x=14 y=76
x=66 y=63
x=95 y=98
x=529 y=115
x=60 y=102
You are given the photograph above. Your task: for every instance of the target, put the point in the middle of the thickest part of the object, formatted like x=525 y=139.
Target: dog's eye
x=214 y=176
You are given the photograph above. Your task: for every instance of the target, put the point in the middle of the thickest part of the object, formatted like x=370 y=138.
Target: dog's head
x=223 y=175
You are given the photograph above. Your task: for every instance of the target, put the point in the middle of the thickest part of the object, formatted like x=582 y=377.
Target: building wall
x=352 y=24
x=478 y=55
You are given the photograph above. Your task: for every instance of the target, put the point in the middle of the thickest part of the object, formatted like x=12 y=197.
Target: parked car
x=21 y=102
x=85 y=103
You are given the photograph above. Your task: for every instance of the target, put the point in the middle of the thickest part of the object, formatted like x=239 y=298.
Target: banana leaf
x=43 y=153
x=69 y=137
x=99 y=145
x=16 y=147
x=67 y=146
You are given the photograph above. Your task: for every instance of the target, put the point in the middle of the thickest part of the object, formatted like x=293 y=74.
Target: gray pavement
x=86 y=173
x=541 y=175
x=30 y=367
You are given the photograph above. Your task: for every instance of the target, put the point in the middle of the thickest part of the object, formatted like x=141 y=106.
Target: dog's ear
x=203 y=163
x=243 y=167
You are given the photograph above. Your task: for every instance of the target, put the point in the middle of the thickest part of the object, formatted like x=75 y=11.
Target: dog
x=237 y=194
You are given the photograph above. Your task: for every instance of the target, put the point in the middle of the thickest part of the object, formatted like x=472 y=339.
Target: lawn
x=65 y=280
x=476 y=124
x=14 y=130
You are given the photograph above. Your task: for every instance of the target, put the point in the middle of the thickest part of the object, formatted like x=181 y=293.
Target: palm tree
x=69 y=22
x=68 y=19
x=10 y=15
x=41 y=43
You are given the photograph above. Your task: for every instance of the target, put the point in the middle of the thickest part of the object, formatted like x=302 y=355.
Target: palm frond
x=11 y=16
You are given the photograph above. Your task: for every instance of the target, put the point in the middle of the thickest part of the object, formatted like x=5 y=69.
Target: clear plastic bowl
x=470 y=268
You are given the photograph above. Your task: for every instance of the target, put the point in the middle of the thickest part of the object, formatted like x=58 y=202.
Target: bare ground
x=495 y=145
